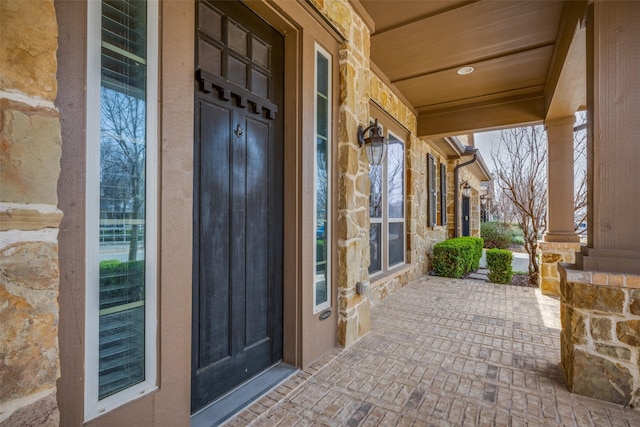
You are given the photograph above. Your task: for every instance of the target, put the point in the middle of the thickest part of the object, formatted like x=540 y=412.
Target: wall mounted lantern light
x=466 y=188
x=375 y=145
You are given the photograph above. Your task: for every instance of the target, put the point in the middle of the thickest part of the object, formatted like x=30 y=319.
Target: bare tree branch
x=520 y=160
x=122 y=158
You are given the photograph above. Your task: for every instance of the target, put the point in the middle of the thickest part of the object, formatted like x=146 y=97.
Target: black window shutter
x=443 y=194
x=431 y=174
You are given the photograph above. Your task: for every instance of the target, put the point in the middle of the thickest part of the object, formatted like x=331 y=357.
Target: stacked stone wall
x=552 y=254
x=30 y=149
x=353 y=179
x=600 y=339
x=474 y=201
x=358 y=86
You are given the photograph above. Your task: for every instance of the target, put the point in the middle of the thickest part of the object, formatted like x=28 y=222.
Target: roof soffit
x=516 y=48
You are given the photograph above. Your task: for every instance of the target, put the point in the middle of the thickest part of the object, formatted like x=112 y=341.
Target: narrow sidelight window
x=322 y=282
x=121 y=203
x=431 y=186
x=443 y=194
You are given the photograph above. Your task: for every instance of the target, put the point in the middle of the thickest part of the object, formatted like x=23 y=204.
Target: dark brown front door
x=238 y=200
x=466 y=213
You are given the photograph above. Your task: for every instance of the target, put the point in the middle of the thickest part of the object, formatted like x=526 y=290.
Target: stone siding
x=600 y=339
x=358 y=87
x=474 y=202
x=29 y=219
x=552 y=254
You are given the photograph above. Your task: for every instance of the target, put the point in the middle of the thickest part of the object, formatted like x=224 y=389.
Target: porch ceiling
x=528 y=60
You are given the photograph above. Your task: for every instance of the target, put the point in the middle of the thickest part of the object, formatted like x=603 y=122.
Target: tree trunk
x=133 y=243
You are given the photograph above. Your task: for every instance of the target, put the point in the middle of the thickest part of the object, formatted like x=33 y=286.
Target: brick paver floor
x=443 y=352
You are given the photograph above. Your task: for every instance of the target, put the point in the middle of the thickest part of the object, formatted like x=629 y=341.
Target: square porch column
x=561 y=241
x=600 y=306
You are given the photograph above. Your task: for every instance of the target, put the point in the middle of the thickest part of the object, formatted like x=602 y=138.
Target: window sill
x=390 y=275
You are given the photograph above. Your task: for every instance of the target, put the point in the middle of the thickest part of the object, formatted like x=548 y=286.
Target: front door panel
x=466 y=221
x=238 y=197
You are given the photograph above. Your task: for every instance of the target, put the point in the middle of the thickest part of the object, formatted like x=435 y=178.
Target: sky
x=484 y=142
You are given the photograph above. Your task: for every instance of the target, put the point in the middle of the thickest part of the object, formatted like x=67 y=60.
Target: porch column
x=613 y=129
x=600 y=305
x=560 y=242
x=560 y=215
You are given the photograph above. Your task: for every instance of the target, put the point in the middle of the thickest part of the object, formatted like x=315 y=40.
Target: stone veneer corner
x=600 y=339
x=30 y=137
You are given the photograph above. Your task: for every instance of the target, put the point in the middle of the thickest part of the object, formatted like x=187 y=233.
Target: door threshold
x=240 y=397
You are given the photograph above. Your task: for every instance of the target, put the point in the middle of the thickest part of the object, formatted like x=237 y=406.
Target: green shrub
x=478 y=244
x=496 y=235
x=499 y=264
x=517 y=236
x=455 y=257
x=517 y=240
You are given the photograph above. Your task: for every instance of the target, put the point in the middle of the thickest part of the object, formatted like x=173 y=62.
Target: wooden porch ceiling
x=528 y=59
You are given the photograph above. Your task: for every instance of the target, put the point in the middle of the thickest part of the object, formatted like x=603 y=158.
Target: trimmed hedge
x=455 y=257
x=478 y=244
x=499 y=264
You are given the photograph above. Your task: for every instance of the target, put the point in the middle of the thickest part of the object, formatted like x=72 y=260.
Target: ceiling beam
x=565 y=90
x=475 y=62
x=425 y=17
x=518 y=112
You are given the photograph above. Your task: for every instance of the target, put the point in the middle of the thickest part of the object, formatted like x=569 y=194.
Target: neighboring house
x=487 y=199
x=185 y=203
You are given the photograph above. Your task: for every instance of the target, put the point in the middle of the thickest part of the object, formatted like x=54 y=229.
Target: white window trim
x=318 y=49
x=92 y=406
x=402 y=220
x=385 y=220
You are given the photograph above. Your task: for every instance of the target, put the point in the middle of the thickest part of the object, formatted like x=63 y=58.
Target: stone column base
x=600 y=339
x=552 y=254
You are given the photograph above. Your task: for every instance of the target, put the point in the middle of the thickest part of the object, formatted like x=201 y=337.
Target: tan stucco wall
x=30 y=147
x=170 y=405
x=305 y=337
x=356 y=87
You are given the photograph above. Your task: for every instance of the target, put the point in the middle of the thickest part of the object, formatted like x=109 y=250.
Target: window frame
x=443 y=193
x=319 y=50
x=384 y=219
x=395 y=220
x=432 y=212
x=93 y=407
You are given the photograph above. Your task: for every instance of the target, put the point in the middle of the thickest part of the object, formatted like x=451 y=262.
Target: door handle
x=239 y=131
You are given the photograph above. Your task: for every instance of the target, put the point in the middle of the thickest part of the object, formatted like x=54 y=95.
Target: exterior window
x=386 y=209
x=443 y=194
x=121 y=204
x=322 y=282
x=431 y=185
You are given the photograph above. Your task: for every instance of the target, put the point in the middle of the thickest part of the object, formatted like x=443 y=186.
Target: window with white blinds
x=121 y=203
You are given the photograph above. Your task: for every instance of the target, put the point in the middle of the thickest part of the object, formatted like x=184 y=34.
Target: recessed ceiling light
x=465 y=70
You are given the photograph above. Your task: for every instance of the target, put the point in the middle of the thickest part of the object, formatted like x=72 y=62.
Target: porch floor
x=443 y=352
